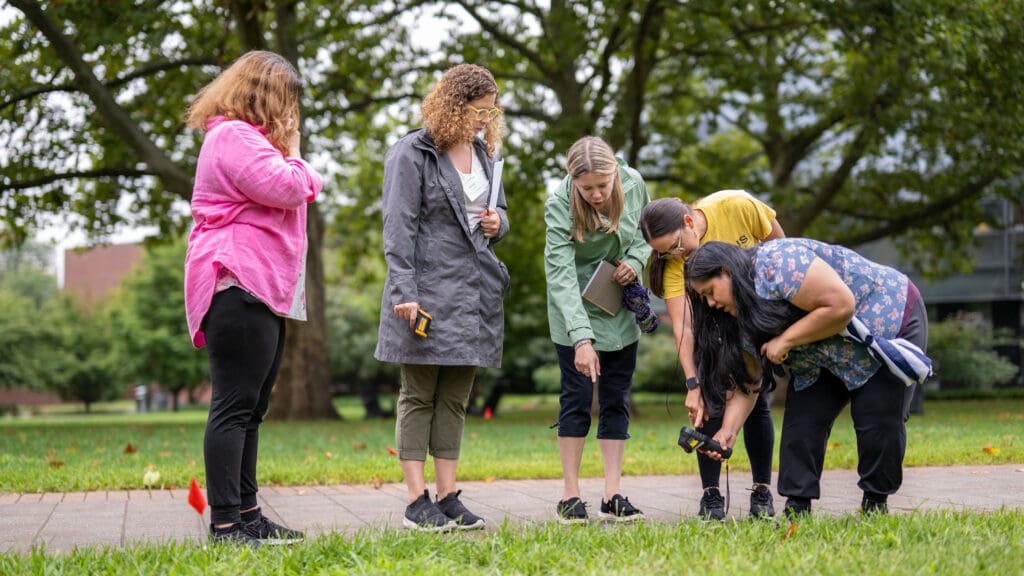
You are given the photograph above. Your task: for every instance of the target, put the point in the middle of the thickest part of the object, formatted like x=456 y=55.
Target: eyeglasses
x=676 y=250
x=482 y=113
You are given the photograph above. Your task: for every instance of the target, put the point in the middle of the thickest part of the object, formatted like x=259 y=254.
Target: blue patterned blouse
x=880 y=293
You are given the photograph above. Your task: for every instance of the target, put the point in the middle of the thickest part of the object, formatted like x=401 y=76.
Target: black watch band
x=692 y=383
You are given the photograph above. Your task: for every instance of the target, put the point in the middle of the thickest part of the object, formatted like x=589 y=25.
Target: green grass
x=72 y=452
x=921 y=543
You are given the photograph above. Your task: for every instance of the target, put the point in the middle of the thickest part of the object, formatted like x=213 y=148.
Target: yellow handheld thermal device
x=423 y=321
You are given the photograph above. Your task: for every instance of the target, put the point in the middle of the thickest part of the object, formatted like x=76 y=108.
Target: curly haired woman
x=438 y=238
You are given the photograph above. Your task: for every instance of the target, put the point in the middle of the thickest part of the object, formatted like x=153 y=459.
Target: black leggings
x=245 y=341
x=758 y=437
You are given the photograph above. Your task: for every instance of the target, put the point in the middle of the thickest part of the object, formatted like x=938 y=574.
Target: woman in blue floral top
x=789 y=299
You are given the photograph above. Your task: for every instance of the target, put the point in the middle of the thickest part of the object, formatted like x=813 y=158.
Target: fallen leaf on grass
x=164 y=454
x=630 y=460
x=359 y=445
x=489 y=479
x=56 y=463
x=129 y=449
x=832 y=445
x=392 y=451
x=377 y=483
x=472 y=435
x=328 y=455
x=990 y=450
x=789 y=531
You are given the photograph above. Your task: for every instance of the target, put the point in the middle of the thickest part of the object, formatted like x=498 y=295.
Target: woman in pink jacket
x=245 y=271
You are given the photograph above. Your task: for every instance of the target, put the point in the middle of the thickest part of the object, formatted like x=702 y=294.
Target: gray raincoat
x=435 y=260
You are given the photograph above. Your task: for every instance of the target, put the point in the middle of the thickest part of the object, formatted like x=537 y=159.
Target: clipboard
x=492 y=201
x=602 y=291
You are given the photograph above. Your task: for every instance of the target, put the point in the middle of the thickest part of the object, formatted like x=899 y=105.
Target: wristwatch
x=692 y=383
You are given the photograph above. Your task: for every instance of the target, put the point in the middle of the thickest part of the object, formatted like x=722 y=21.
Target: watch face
x=692 y=383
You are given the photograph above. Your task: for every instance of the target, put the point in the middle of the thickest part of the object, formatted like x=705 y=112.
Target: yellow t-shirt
x=732 y=216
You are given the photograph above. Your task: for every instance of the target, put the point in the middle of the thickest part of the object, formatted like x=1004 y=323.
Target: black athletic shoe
x=423 y=514
x=874 y=504
x=761 y=502
x=797 y=507
x=619 y=509
x=234 y=534
x=269 y=532
x=712 y=505
x=571 y=511
x=454 y=510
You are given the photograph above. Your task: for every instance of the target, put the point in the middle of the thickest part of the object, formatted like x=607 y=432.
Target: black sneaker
x=424 y=515
x=712 y=505
x=619 y=509
x=796 y=507
x=571 y=511
x=268 y=532
x=463 y=518
x=874 y=504
x=234 y=534
x=761 y=503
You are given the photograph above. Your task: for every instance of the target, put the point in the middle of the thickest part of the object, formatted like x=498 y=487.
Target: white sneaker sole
x=608 y=516
x=570 y=521
x=478 y=525
x=414 y=526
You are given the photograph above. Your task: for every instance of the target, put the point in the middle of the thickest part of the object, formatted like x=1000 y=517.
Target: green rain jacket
x=568 y=265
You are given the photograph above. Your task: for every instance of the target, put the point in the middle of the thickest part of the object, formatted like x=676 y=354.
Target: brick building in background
x=91 y=273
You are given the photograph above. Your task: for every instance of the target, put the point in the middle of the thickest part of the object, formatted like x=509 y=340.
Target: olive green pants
x=432 y=410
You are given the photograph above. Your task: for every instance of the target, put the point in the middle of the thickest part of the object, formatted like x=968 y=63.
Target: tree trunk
x=302 y=391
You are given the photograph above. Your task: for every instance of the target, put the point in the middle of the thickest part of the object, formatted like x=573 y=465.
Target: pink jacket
x=249 y=206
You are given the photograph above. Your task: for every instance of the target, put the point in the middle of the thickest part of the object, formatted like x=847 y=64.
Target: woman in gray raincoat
x=438 y=237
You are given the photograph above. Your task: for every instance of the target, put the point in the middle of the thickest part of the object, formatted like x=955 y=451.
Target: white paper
x=495 y=184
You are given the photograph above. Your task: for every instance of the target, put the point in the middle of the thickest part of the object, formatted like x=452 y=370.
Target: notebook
x=602 y=291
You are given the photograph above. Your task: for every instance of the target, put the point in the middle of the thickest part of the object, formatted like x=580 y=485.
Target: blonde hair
x=444 y=109
x=591 y=154
x=261 y=88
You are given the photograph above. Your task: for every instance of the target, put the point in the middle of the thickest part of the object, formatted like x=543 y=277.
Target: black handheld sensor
x=690 y=440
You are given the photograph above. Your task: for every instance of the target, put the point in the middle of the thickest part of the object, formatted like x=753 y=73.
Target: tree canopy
x=857 y=121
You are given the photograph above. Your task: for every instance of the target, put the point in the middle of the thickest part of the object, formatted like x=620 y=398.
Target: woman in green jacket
x=593 y=216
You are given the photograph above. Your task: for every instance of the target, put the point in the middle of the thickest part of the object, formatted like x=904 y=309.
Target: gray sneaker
x=463 y=518
x=423 y=514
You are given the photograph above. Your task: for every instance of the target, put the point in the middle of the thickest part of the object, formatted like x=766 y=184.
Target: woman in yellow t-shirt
x=674 y=230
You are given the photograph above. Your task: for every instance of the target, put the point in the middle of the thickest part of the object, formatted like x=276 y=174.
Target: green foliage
x=963 y=355
x=88 y=369
x=657 y=365
x=28 y=344
x=856 y=120
x=351 y=339
x=547 y=378
x=152 y=339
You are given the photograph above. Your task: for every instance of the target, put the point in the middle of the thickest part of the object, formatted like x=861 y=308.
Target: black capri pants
x=613 y=388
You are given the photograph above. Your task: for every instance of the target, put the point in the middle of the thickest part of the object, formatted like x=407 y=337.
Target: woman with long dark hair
x=839 y=322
